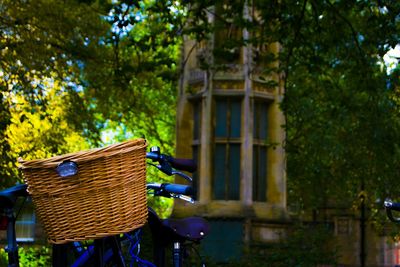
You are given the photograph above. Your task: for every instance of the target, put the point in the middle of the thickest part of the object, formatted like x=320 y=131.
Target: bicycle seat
x=9 y=196
x=191 y=228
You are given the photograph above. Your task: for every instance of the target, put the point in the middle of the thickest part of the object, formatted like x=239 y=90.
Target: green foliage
x=35 y=257
x=29 y=256
x=305 y=245
x=43 y=50
x=3 y=258
x=342 y=126
x=134 y=87
x=108 y=65
x=76 y=74
x=40 y=131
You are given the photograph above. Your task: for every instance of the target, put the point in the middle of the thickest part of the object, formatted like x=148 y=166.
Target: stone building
x=229 y=119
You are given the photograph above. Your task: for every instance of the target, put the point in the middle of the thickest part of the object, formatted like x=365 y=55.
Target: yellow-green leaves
x=41 y=130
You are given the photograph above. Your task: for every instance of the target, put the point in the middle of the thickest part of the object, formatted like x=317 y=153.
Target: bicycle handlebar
x=9 y=196
x=172 y=188
x=389 y=206
x=181 y=164
x=171 y=166
x=183 y=192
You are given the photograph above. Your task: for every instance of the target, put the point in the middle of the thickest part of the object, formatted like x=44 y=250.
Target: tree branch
x=296 y=34
x=354 y=33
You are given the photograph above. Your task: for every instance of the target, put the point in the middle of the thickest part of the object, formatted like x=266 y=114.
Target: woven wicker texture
x=106 y=197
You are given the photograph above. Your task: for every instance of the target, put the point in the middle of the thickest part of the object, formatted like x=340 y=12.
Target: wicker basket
x=106 y=197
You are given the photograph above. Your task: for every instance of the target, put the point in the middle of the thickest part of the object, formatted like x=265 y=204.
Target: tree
x=342 y=125
x=44 y=41
x=37 y=131
x=135 y=85
x=112 y=63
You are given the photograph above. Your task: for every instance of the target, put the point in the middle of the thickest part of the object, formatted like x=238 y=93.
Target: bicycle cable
x=193 y=248
x=135 y=246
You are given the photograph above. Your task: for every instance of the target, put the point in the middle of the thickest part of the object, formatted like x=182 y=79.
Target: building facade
x=229 y=120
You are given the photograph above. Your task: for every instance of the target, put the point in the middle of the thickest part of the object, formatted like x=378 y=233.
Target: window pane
x=221 y=118
x=219 y=172
x=255 y=120
x=226 y=183
x=263 y=121
x=195 y=175
x=234 y=172
x=196 y=120
x=235 y=118
x=260 y=130
x=259 y=173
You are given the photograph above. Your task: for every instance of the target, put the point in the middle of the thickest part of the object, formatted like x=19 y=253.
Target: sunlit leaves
x=135 y=85
x=38 y=131
x=43 y=46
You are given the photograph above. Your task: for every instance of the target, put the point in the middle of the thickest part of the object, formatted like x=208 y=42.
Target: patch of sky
x=102 y=41
x=383 y=10
x=79 y=63
x=113 y=132
x=335 y=63
x=76 y=87
x=86 y=42
x=177 y=9
x=123 y=20
x=174 y=8
x=92 y=105
x=360 y=38
x=391 y=59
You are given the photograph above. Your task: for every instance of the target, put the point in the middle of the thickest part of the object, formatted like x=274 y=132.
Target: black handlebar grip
x=392 y=205
x=188 y=165
x=178 y=189
x=153 y=156
x=395 y=206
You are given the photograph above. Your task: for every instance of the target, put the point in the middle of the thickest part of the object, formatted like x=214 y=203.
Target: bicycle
x=108 y=251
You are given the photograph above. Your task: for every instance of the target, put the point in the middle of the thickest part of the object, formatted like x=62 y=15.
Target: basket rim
x=84 y=155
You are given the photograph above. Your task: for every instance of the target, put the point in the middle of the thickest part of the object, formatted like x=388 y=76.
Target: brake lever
x=187 y=177
x=163 y=193
x=170 y=171
x=183 y=197
x=165 y=168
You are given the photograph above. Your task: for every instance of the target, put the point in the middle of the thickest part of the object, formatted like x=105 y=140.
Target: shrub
x=30 y=256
